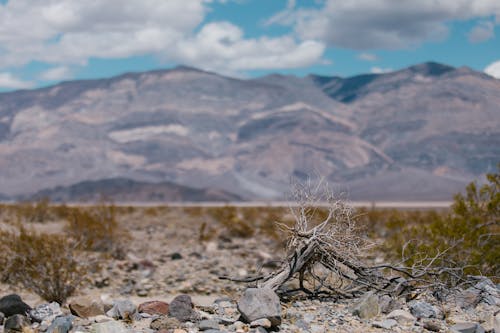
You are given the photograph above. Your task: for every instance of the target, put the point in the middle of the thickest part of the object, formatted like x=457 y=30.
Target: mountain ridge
x=247 y=137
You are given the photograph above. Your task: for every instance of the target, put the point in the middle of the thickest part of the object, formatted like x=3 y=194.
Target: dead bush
x=97 y=229
x=37 y=211
x=233 y=221
x=48 y=265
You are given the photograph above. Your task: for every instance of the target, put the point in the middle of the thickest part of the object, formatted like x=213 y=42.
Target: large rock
x=85 y=307
x=154 y=308
x=45 y=312
x=61 y=324
x=13 y=304
x=123 y=309
x=17 y=323
x=258 y=303
x=182 y=308
x=367 y=307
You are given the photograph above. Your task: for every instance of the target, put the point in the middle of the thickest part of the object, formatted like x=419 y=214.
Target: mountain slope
x=126 y=190
x=249 y=137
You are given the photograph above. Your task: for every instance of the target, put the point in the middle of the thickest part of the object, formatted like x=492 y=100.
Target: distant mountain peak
x=430 y=68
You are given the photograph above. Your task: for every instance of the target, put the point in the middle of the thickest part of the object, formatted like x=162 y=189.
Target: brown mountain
x=420 y=133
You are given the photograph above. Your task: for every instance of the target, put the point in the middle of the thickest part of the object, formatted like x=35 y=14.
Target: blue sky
x=45 y=42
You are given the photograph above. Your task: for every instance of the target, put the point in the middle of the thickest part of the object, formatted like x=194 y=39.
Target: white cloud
x=493 y=69
x=380 y=70
x=56 y=73
x=373 y=24
x=69 y=32
x=483 y=31
x=368 y=56
x=221 y=46
x=9 y=81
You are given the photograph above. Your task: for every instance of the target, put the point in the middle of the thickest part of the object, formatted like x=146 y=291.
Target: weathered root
x=334 y=243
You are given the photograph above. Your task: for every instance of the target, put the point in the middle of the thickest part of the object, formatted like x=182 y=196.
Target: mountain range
x=421 y=133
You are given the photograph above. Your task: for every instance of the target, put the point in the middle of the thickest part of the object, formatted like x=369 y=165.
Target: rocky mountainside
x=420 y=133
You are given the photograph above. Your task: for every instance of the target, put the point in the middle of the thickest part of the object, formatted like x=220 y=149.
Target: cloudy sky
x=43 y=42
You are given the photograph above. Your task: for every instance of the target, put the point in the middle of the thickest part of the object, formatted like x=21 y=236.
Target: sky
x=43 y=42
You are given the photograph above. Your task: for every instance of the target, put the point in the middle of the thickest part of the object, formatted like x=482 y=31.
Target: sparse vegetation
x=470 y=234
x=47 y=264
x=96 y=229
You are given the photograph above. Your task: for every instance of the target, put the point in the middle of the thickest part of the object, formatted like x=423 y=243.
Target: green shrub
x=469 y=236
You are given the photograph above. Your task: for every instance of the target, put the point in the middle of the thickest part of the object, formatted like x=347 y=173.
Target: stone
x=176 y=256
x=109 y=327
x=367 y=307
x=2 y=317
x=85 y=307
x=45 y=312
x=467 y=328
x=205 y=325
x=264 y=322
x=13 y=304
x=421 y=309
x=258 y=303
x=62 y=324
x=181 y=308
x=123 y=309
x=401 y=316
x=385 y=324
x=165 y=323
x=387 y=304
x=16 y=323
x=100 y=319
x=154 y=308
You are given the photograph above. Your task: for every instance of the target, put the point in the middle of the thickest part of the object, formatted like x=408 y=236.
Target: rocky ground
x=168 y=281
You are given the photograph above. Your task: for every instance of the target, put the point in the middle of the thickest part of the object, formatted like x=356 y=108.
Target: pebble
x=16 y=323
x=45 y=312
x=386 y=324
x=123 y=309
x=367 y=307
x=467 y=328
x=421 y=309
x=401 y=316
x=181 y=308
x=109 y=327
x=264 y=322
x=205 y=325
x=164 y=322
x=85 y=307
x=61 y=324
x=154 y=308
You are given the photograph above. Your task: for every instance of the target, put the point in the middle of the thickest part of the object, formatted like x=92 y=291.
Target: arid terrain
x=169 y=251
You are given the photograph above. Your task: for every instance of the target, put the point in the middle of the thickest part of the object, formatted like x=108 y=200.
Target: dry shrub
x=97 y=229
x=47 y=264
x=38 y=211
x=233 y=221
